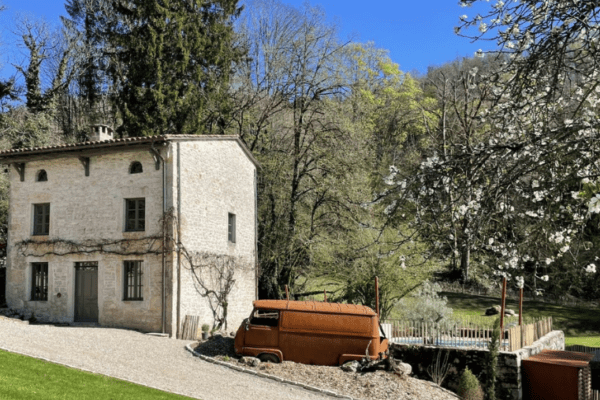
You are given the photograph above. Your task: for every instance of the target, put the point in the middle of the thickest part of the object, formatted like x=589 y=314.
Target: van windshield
x=264 y=317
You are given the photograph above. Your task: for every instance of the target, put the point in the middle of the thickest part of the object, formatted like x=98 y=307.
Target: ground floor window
x=39 y=281
x=133 y=280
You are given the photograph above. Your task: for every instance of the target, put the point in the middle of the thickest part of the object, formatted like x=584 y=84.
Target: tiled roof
x=11 y=154
x=82 y=145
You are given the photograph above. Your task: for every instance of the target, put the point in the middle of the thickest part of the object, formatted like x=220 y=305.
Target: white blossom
x=590 y=269
x=520 y=281
x=594 y=204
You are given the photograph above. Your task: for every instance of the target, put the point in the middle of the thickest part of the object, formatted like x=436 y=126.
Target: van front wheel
x=268 y=357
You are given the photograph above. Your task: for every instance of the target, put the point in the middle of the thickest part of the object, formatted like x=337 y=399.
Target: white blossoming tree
x=533 y=174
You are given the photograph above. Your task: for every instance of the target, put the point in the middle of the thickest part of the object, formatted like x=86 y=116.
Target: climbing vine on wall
x=214 y=278
x=63 y=247
x=214 y=274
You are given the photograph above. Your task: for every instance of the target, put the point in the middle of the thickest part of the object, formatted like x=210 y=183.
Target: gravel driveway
x=161 y=363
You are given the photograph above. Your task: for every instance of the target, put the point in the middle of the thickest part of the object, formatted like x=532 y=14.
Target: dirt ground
x=378 y=385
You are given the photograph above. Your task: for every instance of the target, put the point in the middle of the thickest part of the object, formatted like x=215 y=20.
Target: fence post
x=502 y=305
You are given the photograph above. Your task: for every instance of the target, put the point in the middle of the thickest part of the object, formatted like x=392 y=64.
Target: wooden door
x=2 y=286
x=86 y=291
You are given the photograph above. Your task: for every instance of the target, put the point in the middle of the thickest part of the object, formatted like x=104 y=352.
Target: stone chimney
x=100 y=132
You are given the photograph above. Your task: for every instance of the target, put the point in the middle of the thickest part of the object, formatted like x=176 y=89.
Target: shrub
x=492 y=362
x=205 y=327
x=469 y=387
x=425 y=305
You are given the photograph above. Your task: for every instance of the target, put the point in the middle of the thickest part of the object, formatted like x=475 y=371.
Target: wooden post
x=287 y=292
x=377 y=296
x=502 y=305
x=325 y=295
x=520 y=306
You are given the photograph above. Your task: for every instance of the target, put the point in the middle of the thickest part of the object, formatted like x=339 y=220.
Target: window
x=136 y=168
x=39 y=281
x=133 y=280
x=265 y=317
x=231 y=228
x=135 y=215
x=41 y=219
x=42 y=176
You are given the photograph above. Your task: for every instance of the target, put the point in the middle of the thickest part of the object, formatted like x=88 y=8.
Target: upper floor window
x=136 y=168
x=42 y=176
x=39 y=281
x=41 y=219
x=135 y=215
x=231 y=228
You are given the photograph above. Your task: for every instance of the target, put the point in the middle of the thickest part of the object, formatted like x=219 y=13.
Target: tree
x=170 y=64
x=7 y=87
x=284 y=97
x=90 y=20
x=50 y=52
x=537 y=167
x=448 y=214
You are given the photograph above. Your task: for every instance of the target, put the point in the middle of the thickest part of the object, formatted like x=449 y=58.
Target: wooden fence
x=526 y=334
x=442 y=334
x=471 y=333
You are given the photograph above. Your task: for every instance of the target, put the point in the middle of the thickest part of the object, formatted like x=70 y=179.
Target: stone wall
x=85 y=209
x=217 y=178
x=509 y=384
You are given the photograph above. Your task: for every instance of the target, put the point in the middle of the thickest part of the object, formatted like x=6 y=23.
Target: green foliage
x=24 y=377
x=492 y=362
x=359 y=256
x=424 y=305
x=205 y=327
x=171 y=64
x=469 y=387
x=22 y=128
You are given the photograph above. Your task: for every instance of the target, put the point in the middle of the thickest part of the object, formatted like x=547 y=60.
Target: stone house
x=132 y=232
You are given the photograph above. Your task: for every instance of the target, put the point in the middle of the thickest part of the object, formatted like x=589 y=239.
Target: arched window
x=42 y=176
x=136 y=168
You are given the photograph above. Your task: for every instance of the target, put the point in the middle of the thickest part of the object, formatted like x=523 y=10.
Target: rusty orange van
x=310 y=332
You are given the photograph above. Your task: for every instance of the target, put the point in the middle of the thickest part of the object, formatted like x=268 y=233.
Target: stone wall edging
x=268 y=376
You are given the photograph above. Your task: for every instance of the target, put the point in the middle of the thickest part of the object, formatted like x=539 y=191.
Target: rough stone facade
x=509 y=380
x=217 y=177
x=215 y=181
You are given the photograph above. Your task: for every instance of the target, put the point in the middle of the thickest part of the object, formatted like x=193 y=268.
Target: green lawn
x=28 y=378
x=581 y=325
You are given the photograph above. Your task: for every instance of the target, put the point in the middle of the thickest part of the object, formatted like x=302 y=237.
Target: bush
x=469 y=387
x=425 y=305
x=492 y=362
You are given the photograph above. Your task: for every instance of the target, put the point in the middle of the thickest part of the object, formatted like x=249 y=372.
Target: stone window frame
x=231 y=228
x=41 y=176
x=41 y=219
x=136 y=167
x=133 y=274
x=39 y=281
x=135 y=214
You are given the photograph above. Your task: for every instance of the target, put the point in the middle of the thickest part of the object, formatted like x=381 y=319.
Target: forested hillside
x=480 y=168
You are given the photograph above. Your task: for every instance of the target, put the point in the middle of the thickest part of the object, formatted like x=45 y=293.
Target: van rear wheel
x=268 y=357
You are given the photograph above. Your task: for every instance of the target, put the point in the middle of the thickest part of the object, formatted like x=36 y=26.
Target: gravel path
x=161 y=363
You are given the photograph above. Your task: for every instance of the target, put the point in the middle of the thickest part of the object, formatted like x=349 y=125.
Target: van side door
x=262 y=330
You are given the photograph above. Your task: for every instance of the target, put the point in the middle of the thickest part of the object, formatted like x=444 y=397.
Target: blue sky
x=417 y=33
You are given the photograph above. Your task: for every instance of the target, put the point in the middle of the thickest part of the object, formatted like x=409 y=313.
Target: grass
x=23 y=377
x=580 y=325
